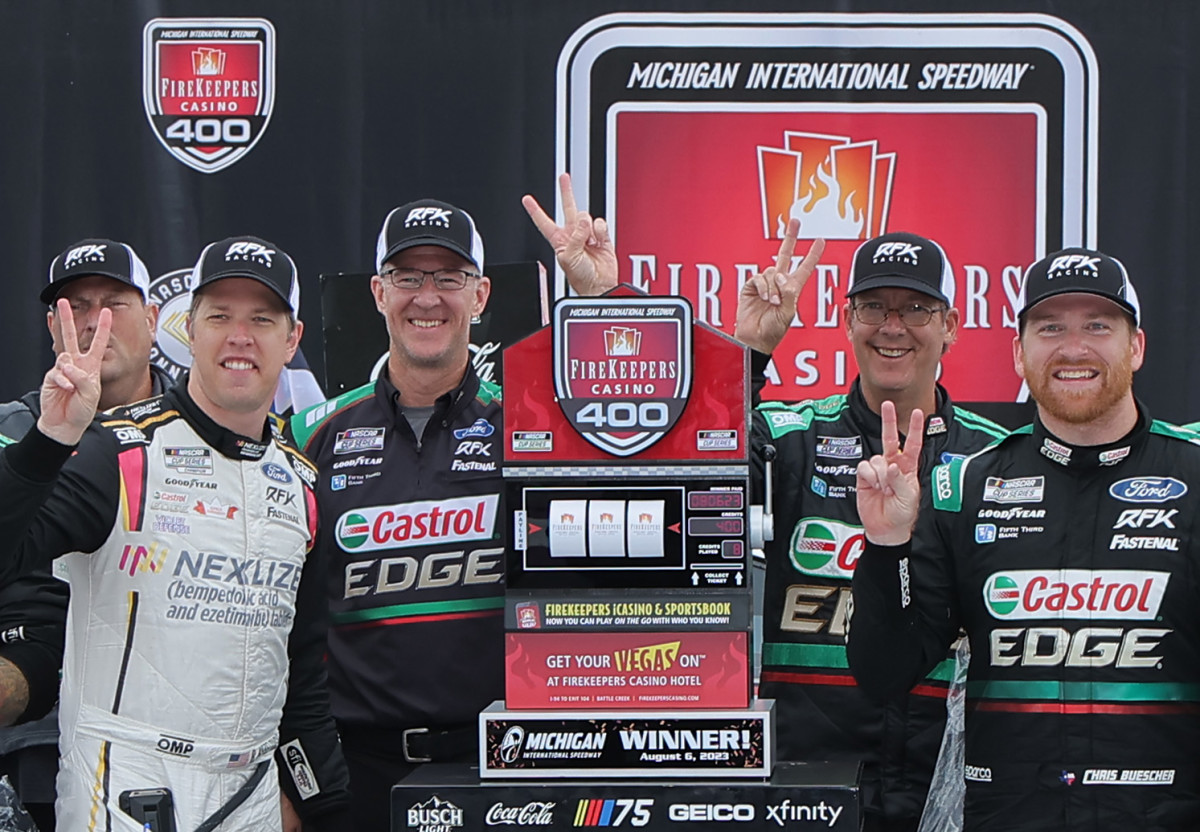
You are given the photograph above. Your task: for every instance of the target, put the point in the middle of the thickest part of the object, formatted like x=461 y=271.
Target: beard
x=1080 y=407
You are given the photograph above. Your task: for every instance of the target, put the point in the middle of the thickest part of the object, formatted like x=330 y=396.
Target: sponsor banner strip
x=788 y=677
x=1086 y=691
x=831 y=655
x=424 y=608
x=1085 y=708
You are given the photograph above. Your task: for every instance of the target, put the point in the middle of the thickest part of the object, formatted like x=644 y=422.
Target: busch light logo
x=1148 y=489
x=278 y=473
x=435 y=815
x=482 y=427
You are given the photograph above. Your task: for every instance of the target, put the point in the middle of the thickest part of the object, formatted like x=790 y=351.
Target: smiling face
x=897 y=361
x=1078 y=353
x=429 y=328
x=241 y=338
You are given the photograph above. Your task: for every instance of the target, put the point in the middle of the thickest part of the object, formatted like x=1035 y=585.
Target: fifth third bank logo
x=839 y=188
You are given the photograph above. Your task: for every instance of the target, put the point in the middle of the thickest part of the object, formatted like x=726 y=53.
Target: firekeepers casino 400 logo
x=208 y=86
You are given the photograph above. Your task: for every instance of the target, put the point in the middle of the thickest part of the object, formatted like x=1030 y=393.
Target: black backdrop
x=381 y=102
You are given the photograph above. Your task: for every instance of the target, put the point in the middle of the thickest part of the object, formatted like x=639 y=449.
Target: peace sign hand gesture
x=581 y=244
x=71 y=388
x=889 y=493
x=767 y=302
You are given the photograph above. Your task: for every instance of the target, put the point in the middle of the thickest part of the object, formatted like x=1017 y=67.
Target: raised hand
x=767 y=302
x=71 y=388
x=581 y=244
x=889 y=492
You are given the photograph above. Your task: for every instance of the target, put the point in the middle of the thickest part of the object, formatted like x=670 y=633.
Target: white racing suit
x=191 y=604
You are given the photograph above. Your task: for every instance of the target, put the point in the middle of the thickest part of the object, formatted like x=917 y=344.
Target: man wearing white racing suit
x=196 y=622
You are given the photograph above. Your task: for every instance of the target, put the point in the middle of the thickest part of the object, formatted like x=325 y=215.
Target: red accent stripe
x=132 y=466
x=593 y=812
x=310 y=501
x=840 y=681
x=1082 y=708
x=420 y=619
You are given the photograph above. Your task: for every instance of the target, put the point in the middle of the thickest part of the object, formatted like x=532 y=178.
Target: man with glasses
x=900 y=320
x=409 y=491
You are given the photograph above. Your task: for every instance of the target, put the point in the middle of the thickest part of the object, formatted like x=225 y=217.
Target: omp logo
x=142 y=559
x=428 y=216
x=208 y=61
x=510 y=746
x=1148 y=489
x=1073 y=265
x=622 y=340
x=250 y=252
x=837 y=187
x=897 y=253
x=650 y=657
x=175 y=746
x=418 y=524
x=81 y=254
x=826 y=547
x=1081 y=594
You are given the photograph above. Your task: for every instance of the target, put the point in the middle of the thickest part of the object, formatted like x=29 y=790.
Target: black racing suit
x=33 y=619
x=416 y=592
x=820 y=714
x=1076 y=574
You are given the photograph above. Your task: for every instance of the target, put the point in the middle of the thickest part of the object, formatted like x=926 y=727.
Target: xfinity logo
x=428 y=216
x=788 y=811
x=250 y=251
x=1074 y=265
x=895 y=252
x=81 y=254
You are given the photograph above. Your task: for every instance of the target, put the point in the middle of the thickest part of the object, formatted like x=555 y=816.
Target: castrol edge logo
x=826 y=547
x=1075 y=594
x=417 y=524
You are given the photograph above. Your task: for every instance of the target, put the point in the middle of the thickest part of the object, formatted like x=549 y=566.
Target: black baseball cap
x=251 y=257
x=429 y=222
x=1078 y=270
x=901 y=260
x=96 y=256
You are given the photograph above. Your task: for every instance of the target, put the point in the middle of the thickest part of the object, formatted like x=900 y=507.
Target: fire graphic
x=622 y=340
x=645 y=518
x=605 y=517
x=208 y=61
x=839 y=189
x=567 y=518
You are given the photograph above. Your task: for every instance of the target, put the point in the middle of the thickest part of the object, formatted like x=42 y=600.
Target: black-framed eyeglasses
x=873 y=313
x=414 y=279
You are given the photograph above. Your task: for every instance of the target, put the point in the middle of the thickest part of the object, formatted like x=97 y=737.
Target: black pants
x=371 y=779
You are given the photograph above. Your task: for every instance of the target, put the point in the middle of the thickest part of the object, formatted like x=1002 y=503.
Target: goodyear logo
x=826 y=547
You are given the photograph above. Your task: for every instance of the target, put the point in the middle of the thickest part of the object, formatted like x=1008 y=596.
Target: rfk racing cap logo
x=90 y=253
x=427 y=216
x=623 y=368
x=1073 y=265
x=839 y=188
x=250 y=252
x=208 y=86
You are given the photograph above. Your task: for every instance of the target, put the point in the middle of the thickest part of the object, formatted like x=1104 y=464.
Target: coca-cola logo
x=1148 y=489
x=534 y=813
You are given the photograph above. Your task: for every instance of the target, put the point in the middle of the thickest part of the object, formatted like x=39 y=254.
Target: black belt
x=416 y=745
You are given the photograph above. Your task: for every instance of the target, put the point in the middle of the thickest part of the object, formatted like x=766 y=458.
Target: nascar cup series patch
x=209 y=86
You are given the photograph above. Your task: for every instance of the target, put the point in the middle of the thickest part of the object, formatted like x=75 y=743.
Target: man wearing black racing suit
x=409 y=491
x=1068 y=553
x=900 y=320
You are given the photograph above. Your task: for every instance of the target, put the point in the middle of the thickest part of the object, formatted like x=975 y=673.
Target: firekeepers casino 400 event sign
x=209 y=86
x=701 y=135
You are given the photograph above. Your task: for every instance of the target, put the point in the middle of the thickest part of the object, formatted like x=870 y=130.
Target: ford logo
x=481 y=427
x=1148 y=489
x=275 y=472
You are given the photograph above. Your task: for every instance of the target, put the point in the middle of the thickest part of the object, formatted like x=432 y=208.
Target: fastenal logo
x=1081 y=594
x=208 y=85
x=826 y=547
x=622 y=340
x=418 y=524
x=434 y=815
x=1148 y=489
x=839 y=188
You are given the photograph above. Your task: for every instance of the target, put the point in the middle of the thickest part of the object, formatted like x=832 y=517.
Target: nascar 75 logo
x=614 y=811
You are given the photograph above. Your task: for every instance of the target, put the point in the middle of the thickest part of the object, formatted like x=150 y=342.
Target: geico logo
x=482 y=566
x=1145 y=518
x=417 y=524
x=1075 y=593
x=711 y=811
x=1086 y=647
